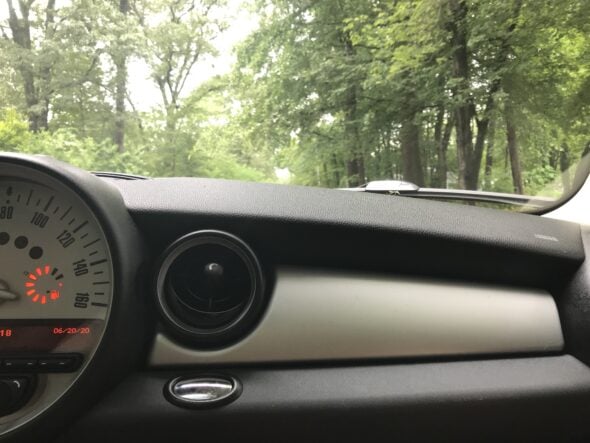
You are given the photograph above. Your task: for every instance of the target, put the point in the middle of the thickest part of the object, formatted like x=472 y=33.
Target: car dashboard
x=185 y=308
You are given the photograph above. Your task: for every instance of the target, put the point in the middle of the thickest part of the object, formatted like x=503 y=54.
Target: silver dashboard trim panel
x=318 y=315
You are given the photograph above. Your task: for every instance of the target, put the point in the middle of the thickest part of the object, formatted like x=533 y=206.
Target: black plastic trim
x=74 y=358
x=291 y=225
x=30 y=389
x=573 y=303
x=526 y=399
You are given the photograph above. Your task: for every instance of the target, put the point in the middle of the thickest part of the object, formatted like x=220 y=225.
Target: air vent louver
x=210 y=288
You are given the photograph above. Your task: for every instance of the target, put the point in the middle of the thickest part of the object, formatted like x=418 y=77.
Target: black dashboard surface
x=524 y=399
x=311 y=226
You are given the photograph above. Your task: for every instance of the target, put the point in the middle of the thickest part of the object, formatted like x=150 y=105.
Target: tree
x=57 y=52
x=35 y=79
x=473 y=94
x=178 y=33
x=120 y=61
x=308 y=73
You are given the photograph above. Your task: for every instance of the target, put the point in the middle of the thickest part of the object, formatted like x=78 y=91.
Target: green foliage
x=62 y=144
x=338 y=92
x=203 y=158
x=325 y=81
x=14 y=131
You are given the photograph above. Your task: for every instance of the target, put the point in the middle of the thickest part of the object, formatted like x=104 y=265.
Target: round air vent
x=210 y=288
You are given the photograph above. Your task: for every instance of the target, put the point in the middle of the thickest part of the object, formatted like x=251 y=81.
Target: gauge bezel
x=125 y=247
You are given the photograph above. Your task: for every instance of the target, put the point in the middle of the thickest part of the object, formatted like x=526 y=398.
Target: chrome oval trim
x=202 y=391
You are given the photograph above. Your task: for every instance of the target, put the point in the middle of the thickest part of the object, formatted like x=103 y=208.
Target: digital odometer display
x=48 y=335
x=54 y=264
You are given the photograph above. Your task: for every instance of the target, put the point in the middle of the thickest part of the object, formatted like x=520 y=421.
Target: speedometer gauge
x=55 y=267
x=68 y=253
x=54 y=259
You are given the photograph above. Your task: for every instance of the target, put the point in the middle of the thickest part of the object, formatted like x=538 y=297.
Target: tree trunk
x=463 y=111
x=45 y=76
x=355 y=166
x=474 y=165
x=469 y=155
x=442 y=135
x=489 y=164
x=464 y=144
x=336 y=167
x=21 y=36
x=564 y=165
x=120 y=60
x=442 y=153
x=438 y=127
x=512 y=148
x=410 y=144
x=37 y=107
x=355 y=172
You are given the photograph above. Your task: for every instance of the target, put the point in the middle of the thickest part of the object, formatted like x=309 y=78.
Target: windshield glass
x=482 y=95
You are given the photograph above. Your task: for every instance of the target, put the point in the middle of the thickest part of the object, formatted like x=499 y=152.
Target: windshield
x=481 y=95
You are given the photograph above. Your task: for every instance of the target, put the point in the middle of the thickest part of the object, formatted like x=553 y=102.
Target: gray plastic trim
x=325 y=315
